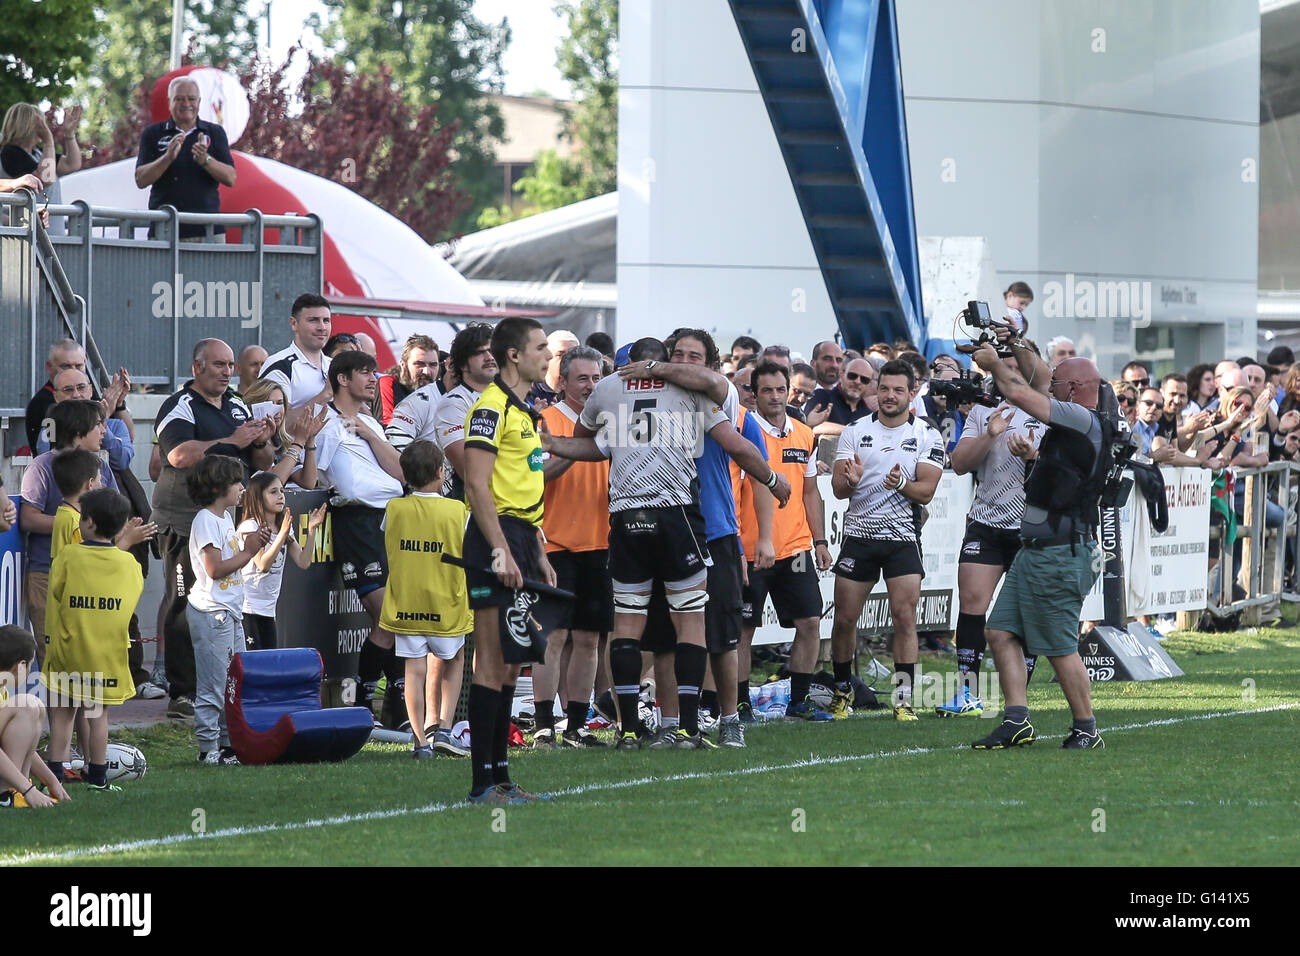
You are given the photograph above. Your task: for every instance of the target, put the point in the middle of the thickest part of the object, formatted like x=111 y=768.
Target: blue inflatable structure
x=274 y=713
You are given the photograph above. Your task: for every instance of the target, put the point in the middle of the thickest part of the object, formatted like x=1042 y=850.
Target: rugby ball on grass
x=125 y=762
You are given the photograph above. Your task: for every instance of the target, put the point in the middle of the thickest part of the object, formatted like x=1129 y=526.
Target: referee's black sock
x=799 y=684
x=843 y=671
x=370 y=665
x=689 y=666
x=625 y=671
x=482 y=723
x=394 y=667
x=971 y=644
x=501 y=738
x=544 y=714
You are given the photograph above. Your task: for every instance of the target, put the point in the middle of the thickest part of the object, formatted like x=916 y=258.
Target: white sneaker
x=150 y=691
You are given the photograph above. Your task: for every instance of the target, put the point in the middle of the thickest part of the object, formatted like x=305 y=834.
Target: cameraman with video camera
x=997 y=444
x=1058 y=562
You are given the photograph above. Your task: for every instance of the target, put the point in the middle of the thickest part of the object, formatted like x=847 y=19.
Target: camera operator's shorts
x=1043 y=594
x=586 y=574
x=986 y=545
x=863 y=559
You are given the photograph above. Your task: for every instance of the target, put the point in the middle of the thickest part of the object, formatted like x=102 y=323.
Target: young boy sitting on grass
x=94 y=588
x=22 y=716
x=426 y=604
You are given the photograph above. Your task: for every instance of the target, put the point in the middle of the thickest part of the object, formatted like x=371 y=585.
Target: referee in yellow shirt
x=504 y=486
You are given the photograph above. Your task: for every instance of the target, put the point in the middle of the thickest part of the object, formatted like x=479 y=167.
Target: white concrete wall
x=709 y=230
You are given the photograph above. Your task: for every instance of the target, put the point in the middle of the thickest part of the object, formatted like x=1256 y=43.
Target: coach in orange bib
x=792 y=579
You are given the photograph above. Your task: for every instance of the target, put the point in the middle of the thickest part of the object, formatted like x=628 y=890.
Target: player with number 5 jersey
x=652 y=430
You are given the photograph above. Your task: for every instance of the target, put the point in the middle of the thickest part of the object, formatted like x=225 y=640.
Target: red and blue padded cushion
x=274 y=714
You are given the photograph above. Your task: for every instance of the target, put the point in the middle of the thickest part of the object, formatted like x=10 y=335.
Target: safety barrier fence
x=125 y=284
x=1268 y=545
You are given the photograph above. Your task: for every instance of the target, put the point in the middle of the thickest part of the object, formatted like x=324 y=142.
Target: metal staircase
x=830 y=77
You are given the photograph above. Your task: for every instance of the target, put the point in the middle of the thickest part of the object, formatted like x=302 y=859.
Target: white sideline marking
x=812 y=761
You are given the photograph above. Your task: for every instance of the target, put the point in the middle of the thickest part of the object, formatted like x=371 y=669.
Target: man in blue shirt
x=1151 y=406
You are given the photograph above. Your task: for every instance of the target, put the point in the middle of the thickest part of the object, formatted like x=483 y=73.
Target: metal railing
x=1264 y=550
x=125 y=283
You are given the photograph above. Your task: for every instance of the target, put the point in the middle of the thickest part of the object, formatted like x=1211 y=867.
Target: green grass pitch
x=1200 y=770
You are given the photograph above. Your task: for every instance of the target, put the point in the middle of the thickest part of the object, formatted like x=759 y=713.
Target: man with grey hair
x=203 y=418
x=184 y=159
x=575 y=521
x=117 y=441
x=64 y=354
x=549 y=392
x=1058 y=350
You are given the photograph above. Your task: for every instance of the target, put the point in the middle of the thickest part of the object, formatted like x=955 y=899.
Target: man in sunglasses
x=1136 y=374
x=848 y=400
x=1037 y=611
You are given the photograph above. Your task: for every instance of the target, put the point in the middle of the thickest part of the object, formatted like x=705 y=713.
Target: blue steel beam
x=830 y=78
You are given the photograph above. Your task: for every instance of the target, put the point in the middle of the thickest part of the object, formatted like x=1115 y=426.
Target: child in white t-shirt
x=216 y=599
x=264 y=507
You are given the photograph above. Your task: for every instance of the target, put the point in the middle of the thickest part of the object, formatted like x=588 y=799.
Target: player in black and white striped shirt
x=888 y=465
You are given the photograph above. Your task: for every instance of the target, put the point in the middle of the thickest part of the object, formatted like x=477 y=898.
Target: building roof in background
x=571 y=244
x=532 y=124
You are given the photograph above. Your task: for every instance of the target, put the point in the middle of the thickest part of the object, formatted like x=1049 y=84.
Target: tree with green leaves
x=440 y=54
x=47 y=47
x=551 y=183
x=134 y=49
x=588 y=60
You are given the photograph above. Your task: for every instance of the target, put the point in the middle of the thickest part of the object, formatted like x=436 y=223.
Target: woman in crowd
x=27 y=147
x=1200 y=388
x=295 y=446
x=1127 y=397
